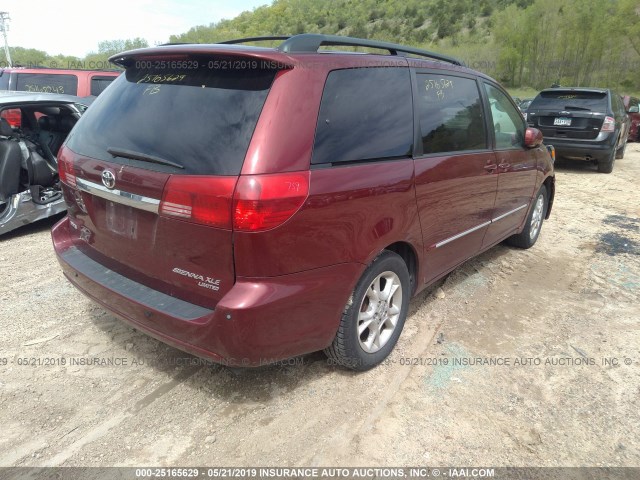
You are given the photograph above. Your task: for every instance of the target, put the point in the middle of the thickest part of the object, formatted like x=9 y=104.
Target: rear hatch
x=150 y=171
x=575 y=114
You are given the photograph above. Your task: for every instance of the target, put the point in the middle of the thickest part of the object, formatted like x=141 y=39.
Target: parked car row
x=288 y=209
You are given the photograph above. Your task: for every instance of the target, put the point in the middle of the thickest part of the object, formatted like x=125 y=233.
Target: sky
x=73 y=27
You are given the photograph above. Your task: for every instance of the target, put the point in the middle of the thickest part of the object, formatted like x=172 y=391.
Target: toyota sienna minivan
x=249 y=204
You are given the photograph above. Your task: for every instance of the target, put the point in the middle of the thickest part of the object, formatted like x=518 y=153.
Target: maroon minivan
x=250 y=204
x=632 y=106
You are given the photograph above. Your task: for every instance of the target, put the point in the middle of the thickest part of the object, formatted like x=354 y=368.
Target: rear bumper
x=598 y=149
x=259 y=321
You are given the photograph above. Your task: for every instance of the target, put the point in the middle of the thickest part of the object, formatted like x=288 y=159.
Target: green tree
x=28 y=57
x=628 y=18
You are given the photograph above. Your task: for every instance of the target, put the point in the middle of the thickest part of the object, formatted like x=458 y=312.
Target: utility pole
x=4 y=26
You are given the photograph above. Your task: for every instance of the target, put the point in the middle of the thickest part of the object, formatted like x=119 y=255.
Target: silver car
x=33 y=126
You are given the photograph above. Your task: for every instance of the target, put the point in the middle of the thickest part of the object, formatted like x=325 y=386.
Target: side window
x=365 y=114
x=508 y=123
x=450 y=110
x=47 y=83
x=615 y=104
x=98 y=84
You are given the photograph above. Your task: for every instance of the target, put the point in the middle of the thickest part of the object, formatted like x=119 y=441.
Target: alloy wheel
x=379 y=312
x=536 y=217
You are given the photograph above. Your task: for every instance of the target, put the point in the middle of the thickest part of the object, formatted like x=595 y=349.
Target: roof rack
x=311 y=42
x=256 y=39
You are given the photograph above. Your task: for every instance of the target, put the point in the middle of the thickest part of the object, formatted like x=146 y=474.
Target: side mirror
x=532 y=138
x=633 y=109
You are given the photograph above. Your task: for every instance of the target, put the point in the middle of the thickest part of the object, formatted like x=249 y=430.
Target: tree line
x=31 y=57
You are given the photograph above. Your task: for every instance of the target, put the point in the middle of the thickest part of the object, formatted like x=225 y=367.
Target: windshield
x=570 y=100
x=200 y=117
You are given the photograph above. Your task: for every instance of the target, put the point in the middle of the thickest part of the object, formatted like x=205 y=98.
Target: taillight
x=262 y=202
x=609 y=124
x=65 y=168
x=199 y=199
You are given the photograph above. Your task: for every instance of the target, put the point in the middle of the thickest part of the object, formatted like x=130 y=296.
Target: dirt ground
x=518 y=358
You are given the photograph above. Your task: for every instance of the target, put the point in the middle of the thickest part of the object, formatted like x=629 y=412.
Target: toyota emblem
x=108 y=179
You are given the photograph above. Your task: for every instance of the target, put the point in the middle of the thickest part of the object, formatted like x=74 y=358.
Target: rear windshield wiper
x=573 y=107
x=117 y=152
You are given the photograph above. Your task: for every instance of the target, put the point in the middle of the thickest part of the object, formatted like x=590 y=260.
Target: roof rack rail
x=311 y=42
x=255 y=39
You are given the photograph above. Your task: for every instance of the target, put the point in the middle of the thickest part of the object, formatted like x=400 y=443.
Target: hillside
x=521 y=42
x=412 y=21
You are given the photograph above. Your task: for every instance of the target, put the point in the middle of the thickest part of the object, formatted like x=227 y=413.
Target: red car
x=253 y=204
x=632 y=106
x=81 y=83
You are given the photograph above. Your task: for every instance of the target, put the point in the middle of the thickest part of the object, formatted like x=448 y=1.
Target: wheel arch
x=408 y=253
x=550 y=184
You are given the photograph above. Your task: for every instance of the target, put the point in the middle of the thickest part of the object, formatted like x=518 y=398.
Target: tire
x=4 y=208
x=620 y=151
x=606 y=166
x=360 y=351
x=528 y=237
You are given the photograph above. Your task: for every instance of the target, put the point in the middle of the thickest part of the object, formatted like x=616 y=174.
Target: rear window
x=201 y=117
x=98 y=84
x=47 y=83
x=568 y=100
x=365 y=114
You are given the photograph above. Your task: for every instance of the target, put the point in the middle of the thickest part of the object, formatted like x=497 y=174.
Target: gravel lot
x=564 y=315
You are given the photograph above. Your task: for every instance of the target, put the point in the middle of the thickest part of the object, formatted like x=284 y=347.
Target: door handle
x=504 y=165
x=490 y=167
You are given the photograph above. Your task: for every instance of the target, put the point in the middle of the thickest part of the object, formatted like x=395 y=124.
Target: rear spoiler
x=189 y=50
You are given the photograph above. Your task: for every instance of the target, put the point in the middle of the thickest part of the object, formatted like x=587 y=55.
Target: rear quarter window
x=98 y=84
x=365 y=114
x=47 y=83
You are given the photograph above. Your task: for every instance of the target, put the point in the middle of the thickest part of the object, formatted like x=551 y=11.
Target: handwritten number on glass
x=437 y=88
